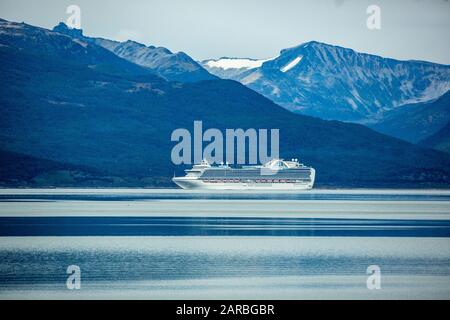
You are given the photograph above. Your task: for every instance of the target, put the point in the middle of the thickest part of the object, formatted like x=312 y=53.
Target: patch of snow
x=432 y=92
x=227 y=63
x=361 y=101
x=276 y=91
x=81 y=43
x=251 y=78
x=435 y=90
x=12 y=25
x=352 y=103
x=291 y=64
x=237 y=63
x=65 y=103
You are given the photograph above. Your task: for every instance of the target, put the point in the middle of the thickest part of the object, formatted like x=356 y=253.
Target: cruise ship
x=277 y=174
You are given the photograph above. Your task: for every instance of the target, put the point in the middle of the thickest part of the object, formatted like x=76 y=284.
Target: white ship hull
x=188 y=183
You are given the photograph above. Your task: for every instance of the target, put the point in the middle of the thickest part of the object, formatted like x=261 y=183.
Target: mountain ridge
x=163 y=62
x=334 y=82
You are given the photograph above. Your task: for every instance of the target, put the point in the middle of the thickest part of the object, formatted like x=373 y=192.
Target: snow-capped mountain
x=171 y=66
x=228 y=68
x=337 y=83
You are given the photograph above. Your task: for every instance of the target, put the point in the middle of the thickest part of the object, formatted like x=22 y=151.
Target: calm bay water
x=153 y=244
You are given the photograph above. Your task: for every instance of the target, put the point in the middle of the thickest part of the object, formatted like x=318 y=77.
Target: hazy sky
x=410 y=29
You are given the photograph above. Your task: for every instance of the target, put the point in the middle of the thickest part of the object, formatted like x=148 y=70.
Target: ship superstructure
x=275 y=174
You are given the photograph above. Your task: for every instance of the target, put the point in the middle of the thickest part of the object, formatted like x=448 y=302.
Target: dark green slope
x=439 y=141
x=18 y=170
x=415 y=122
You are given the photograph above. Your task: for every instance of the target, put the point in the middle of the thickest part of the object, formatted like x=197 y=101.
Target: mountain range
x=336 y=83
x=384 y=94
x=171 y=66
x=75 y=113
